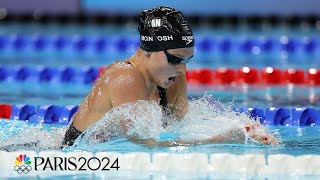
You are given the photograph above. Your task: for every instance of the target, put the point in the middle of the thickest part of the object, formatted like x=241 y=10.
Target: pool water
x=215 y=47
x=35 y=93
x=295 y=140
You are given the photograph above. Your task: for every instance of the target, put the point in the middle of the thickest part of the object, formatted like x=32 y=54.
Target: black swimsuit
x=73 y=133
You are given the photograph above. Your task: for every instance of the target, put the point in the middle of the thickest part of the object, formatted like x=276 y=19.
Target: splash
x=142 y=119
x=19 y=135
x=206 y=118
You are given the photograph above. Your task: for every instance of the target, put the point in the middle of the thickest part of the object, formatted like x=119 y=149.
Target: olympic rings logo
x=23 y=169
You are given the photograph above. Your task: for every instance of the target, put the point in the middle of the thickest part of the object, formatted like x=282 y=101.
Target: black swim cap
x=163 y=28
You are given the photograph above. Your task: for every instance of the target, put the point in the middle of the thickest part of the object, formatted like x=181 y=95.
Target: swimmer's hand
x=257 y=132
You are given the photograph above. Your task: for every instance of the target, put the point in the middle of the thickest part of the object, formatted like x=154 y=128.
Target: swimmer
x=156 y=72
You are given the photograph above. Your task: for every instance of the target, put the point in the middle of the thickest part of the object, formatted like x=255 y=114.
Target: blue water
x=294 y=141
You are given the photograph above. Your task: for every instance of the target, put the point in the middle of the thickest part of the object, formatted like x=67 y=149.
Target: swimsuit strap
x=163 y=97
x=164 y=105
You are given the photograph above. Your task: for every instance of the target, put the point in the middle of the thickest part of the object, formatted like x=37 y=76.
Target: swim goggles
x=172 y=59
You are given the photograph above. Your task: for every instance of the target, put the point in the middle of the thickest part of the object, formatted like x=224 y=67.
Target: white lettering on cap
x=165 y=38
x=146 y=38
x=155 y=22
x=188 y=39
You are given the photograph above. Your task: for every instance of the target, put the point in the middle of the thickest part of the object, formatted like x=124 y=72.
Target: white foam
x=37 y=138
x=143 y=119
x=205 y=119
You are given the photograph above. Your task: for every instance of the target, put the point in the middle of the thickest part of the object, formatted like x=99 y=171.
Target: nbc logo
x=23 y=163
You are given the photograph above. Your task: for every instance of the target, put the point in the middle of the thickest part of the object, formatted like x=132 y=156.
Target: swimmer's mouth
x=173 y=79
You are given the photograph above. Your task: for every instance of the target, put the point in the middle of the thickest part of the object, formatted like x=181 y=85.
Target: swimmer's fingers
x=265 y=139
x=271 y=141
x=253 y=126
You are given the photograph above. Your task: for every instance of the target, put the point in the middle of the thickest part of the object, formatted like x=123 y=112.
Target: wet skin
x=122 y=82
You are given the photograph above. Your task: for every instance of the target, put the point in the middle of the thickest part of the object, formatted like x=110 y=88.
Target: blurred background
x=252 y=53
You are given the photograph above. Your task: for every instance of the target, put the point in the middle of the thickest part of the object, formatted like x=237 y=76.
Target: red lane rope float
x=5 y=111
x=248 y=75
x=271 y=76
x=200 y=76
x=225 y=75
x=294 y=76
x=313 y=77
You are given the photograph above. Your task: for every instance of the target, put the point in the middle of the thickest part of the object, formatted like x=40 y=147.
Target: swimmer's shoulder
x=126 y=84
x=122 y=73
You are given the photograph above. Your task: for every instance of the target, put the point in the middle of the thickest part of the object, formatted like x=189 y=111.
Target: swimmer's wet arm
x=232 y=136
x=181 y=105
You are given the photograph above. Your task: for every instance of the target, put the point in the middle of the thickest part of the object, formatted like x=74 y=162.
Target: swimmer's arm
x=233 y=136
x=181 y=106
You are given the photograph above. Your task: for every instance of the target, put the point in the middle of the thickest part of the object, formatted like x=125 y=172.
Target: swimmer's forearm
x=215 y=139
x=233 y=136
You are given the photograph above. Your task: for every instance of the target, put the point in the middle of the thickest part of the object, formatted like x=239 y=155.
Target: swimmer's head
x=163 y=28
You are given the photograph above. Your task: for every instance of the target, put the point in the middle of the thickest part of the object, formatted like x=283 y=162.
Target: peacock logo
x=23 y=164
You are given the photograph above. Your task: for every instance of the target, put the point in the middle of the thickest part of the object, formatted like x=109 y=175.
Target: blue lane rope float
x=64 y=74
x=269 y=116
x=225 y=44
x=43 y=113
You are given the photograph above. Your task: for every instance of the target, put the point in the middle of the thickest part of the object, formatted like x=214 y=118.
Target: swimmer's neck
x=139 y=61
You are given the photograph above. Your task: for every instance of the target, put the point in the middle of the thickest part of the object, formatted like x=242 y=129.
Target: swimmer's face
x=165 y=66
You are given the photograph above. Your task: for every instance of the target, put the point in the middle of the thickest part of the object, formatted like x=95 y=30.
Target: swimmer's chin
x=167 y=84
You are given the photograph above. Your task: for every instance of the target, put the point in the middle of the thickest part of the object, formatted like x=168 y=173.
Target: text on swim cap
x=159 y=38
x=188 y=39
x=155 y=22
